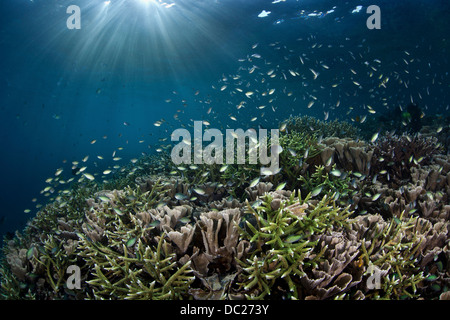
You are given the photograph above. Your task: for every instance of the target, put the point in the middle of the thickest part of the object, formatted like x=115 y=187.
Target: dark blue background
x=62 y=88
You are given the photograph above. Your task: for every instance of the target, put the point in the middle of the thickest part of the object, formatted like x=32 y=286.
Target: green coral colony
x=343 y=219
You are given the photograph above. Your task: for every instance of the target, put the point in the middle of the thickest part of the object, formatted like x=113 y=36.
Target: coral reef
x=343 y=219
x=311 y=125
x=397 y=155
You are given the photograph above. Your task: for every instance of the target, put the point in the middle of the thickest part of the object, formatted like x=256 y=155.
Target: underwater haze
x=85 y=98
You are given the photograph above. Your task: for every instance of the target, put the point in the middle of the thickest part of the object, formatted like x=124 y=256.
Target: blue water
x=109 y=81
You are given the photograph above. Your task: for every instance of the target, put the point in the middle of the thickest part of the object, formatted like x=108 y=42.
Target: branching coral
x=130 y=246
x=391 y=249
x=311 y=125
x=394 y=156
x=127 y=257
x=369 y=227
x=300 y=151
x=283 y=246
x=332 y=183
x=144 y=166
x=137 y=271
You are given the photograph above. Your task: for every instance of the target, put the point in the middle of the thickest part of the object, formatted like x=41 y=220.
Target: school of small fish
x=273 y=80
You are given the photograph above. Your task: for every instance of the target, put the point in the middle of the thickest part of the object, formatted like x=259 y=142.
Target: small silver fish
x=89 y=176
x=376 y=196
x=316 y=191
x=199 y=191
x=254 y=182
x=180 y=196
x=281 y=186
x=336 y=173
x=374 y=137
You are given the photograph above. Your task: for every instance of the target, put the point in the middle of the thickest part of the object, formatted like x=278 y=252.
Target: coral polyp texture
x=343 y=219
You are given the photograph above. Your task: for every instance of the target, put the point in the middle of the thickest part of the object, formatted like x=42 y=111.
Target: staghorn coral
x=311 y=125
x=281 y=236
x=48 y=243
x=398 y=249
x=147 y=165
x=138 y=271
x=155 y=231
x=37 y=271
x=393 y=249
x=130 y=246
x=300 y=154
x=132 y=260
x=331 y=182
